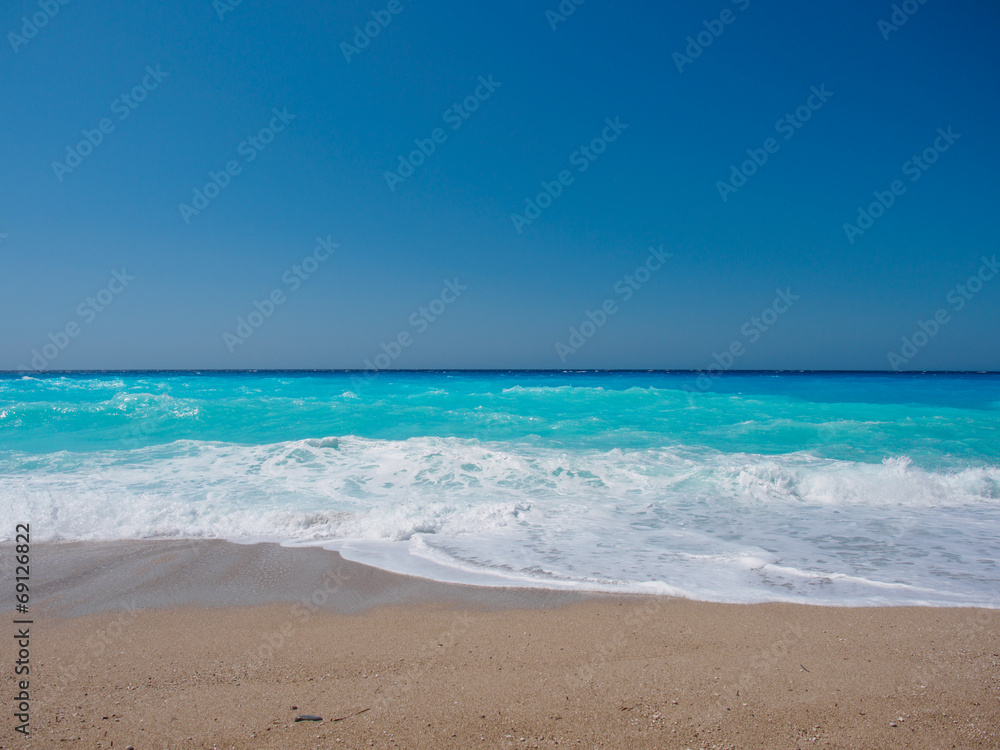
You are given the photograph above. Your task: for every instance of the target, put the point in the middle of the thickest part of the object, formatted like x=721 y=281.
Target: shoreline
x=218 y=572
x=209 y=644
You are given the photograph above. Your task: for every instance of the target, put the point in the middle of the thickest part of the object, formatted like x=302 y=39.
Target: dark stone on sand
x=308 y=717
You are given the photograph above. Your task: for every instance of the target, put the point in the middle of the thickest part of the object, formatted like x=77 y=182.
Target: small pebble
x=308 y=717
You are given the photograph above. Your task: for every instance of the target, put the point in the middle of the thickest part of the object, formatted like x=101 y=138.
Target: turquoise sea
x=827 y=488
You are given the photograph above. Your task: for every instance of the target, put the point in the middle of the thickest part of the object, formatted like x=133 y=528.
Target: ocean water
x=835 y=488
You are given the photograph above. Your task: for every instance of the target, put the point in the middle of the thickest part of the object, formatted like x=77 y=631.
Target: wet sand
x=209 y=644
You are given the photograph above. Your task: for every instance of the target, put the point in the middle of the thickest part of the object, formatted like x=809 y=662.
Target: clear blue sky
x=551 y=93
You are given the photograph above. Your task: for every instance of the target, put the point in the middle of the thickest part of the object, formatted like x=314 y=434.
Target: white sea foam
x=674 y=520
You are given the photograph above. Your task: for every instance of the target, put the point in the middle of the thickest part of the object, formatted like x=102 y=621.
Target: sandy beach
x=209 y=644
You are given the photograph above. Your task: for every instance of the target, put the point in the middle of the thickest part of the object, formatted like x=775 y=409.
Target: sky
x=515 y=184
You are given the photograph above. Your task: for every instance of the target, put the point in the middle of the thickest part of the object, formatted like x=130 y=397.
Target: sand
x=167 y=644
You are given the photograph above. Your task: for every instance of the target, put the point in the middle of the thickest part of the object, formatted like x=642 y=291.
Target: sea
x=829 y=488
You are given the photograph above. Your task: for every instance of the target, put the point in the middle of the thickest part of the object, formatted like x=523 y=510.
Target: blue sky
x=208 y=84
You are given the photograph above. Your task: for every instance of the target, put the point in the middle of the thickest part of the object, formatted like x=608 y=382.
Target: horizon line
x=715 y=372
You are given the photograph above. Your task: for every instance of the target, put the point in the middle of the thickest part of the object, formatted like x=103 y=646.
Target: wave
x=728 y=526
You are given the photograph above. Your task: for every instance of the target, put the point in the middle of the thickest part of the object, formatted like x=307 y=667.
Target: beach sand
x=209 y=644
